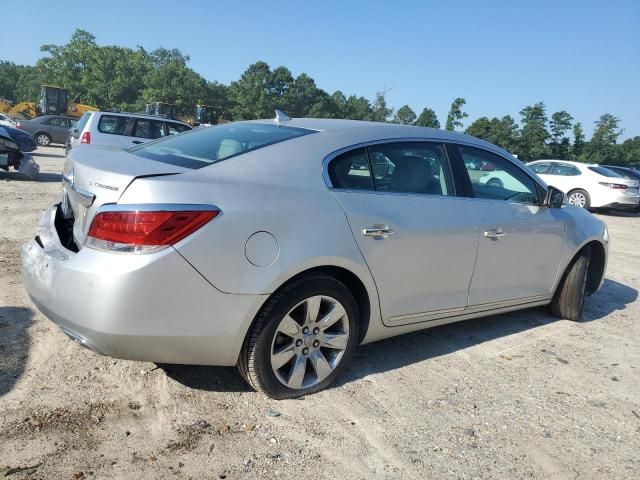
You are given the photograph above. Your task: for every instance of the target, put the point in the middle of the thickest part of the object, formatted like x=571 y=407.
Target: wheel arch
x=597 y=265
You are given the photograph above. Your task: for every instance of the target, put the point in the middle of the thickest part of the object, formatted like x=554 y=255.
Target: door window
x=415 y=167
x=505 y=181
x=174 y=128
x=351 y=171
x=150 y=129
x=565 y=170
x=112 y=124
x=541 y=168
x=53 y=121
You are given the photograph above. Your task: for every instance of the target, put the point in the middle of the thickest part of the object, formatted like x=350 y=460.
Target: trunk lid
x=96 y=175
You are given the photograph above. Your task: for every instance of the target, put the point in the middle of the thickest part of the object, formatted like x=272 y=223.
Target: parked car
x=47 y=129
x=265 y=244
x=589 y=185
x=25 y=142
x=11 y=156
x=121 y=129
x=6 y=121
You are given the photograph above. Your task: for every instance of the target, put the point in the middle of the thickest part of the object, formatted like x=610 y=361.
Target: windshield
x=605 y=172
x=204 y=146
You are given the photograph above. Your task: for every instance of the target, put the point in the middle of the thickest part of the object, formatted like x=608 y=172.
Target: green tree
x=456 y=115
x=560 y=125
x=252 y=94
x=428 y=118
x=481 y=128
x=578 y=141
x=534 y=134
x=380 y=111
x=601 y=148
x=405 y=115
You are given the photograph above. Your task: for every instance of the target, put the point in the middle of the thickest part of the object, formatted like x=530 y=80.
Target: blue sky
x=579 y=56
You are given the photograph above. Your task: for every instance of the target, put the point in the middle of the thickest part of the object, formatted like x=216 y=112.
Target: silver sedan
x=280 y=245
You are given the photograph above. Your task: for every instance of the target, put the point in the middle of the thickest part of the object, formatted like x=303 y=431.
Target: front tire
x=42 y=139
x=579 y=198
x=568 y=301
x=302 y=339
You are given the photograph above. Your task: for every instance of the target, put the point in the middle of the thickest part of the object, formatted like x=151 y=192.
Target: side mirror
x=554 y=198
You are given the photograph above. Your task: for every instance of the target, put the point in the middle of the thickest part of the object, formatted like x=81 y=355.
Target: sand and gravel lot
x=521 y=395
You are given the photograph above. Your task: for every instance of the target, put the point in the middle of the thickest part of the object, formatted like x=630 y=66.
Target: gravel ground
x=520 y=395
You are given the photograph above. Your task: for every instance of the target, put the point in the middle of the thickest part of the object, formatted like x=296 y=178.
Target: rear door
x=144 y=130
x=57 y=129
x=520 y=242
x=418 y=238
x=110 y=130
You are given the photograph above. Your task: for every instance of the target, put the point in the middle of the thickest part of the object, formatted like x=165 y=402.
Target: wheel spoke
x=282 y=356
x=320 y=365
x=289 y=326
x=297 y=372
x=312 y=307
x=335 y=314
x=337 y=341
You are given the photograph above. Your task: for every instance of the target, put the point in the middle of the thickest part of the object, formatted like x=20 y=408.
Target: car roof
x=140 y=115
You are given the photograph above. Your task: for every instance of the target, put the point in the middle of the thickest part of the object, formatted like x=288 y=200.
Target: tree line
x=127 y=79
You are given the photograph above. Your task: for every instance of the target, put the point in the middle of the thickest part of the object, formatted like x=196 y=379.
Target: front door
x=418 y=239
x=520 y=242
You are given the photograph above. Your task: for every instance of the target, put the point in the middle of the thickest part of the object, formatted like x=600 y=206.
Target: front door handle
x=496 y=234
x=377 y=231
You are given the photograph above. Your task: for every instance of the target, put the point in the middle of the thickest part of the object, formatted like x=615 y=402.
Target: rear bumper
x=153 y=307
x=618 y=200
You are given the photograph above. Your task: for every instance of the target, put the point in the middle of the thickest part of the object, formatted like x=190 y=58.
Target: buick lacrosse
x=280 y=245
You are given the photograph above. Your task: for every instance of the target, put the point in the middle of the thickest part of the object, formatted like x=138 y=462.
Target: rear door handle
x=496 y=234
x=137 y=142
x=377 y=231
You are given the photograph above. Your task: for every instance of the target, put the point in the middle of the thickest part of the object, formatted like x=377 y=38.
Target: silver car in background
x=279 y=246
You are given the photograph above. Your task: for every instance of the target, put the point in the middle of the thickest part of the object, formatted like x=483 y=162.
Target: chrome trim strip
x=83 y=197
x=434 y=315
x=156 y=207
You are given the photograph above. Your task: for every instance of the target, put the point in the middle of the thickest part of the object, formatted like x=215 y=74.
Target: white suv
x=121 y=129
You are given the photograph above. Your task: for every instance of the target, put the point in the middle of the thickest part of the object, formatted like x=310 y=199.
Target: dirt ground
x=521 y=395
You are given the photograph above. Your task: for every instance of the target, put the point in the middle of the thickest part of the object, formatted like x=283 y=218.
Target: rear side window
x=351 y=171
x=174 y=128
x=205 y=146
x=145 y=128
x=112 y=124
x=541 y=168
x=565 y=170
x=54 y=121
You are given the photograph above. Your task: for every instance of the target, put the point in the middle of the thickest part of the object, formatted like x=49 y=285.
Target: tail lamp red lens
x=86 y=137
x=615 y=186
x=148 y=228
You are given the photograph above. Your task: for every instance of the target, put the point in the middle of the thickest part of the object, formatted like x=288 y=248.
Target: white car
x=6 y=121
x=589 y=185
x=122 y=130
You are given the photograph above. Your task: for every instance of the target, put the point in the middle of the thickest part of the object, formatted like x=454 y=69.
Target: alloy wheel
x=578 y=199
x=43 y=140
x=310 y=342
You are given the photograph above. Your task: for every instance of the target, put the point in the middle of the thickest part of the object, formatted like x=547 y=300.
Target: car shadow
x=48 y=155
x=47 y=177
x=398 y=352
x=14 y=345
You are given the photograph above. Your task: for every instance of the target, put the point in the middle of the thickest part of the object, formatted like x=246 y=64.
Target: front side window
x=411 y=167
x=565 y=170
x=205 y=146
x=351 y=171
x=112 y=124
x=541 y=168
x=504 y=182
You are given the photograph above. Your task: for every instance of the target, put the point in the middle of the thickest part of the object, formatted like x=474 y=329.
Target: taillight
x=615 y=186
x=144 y=231
x=18 y=125
x=86 y=137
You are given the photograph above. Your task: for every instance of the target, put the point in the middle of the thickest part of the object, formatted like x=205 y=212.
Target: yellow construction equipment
x=205 y=115
x=53 y=101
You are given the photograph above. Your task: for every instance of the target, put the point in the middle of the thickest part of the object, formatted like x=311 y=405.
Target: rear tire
x=43 y=139
x=568 y=301
x=579 y=198
x=271 y=334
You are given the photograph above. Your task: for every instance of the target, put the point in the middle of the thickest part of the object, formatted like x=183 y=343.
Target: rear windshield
x=207 y=145
x=605 y=172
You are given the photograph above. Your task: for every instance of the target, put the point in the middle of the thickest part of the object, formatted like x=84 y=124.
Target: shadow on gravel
x=41 y=178
x=49 y=155
x=213 y=379
x=14 y=345
x=415 y=347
